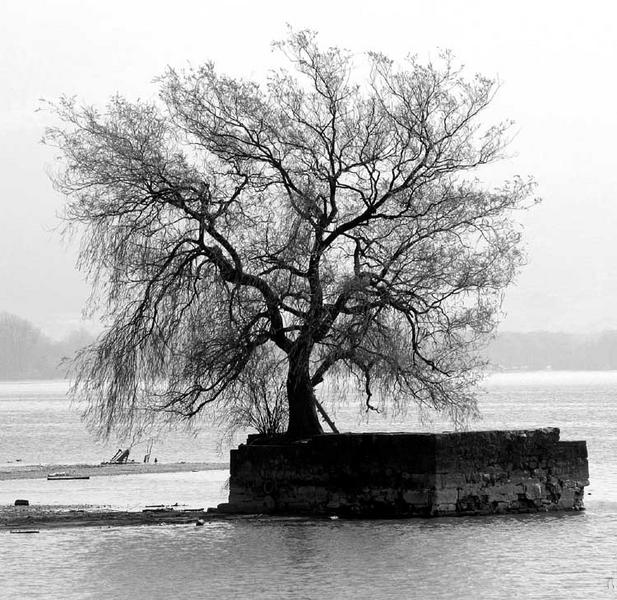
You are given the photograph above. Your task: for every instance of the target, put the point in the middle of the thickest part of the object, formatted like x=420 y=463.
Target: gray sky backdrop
x=557 y=62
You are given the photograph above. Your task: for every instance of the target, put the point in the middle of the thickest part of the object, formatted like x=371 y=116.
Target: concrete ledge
x=408 y=474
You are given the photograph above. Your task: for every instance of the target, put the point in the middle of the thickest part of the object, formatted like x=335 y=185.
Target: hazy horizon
x=554 y=61
x=26 y=353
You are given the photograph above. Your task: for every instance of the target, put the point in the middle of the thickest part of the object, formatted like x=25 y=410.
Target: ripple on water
x=531 y=556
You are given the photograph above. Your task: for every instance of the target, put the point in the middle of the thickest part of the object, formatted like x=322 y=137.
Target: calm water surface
x=531 y=556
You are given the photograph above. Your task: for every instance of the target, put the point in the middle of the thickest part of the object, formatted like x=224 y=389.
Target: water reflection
x=128 y=492
x=526 y=557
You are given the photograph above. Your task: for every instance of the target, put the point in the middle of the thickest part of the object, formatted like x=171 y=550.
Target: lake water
x=529 y=556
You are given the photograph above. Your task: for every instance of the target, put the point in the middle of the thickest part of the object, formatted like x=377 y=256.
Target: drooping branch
x=319 y=225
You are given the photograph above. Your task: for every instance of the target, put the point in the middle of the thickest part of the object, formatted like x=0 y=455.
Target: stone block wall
x=409 y=474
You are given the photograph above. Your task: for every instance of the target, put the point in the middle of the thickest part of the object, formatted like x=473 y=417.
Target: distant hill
x=27 y=353
x=558 y=351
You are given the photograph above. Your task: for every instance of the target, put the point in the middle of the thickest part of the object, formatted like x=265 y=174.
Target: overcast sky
x=557 y=62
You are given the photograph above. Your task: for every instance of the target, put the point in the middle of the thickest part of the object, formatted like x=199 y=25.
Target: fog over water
x=555 y=61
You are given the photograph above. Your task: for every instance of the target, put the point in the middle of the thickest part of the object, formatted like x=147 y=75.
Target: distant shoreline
x=41 y=471
x=491 y=370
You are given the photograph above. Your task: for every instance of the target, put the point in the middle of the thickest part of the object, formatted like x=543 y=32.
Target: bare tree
x=328 y=219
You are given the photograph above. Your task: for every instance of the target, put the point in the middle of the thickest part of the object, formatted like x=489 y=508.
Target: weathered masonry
x=409 y=474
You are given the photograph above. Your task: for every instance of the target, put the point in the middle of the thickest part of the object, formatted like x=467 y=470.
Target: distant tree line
x=558 y=351
x=27 y=353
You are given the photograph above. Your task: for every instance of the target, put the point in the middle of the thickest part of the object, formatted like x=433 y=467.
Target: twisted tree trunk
x=303 y=420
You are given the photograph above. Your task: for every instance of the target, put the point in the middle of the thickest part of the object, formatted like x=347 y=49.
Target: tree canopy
x=322 y=224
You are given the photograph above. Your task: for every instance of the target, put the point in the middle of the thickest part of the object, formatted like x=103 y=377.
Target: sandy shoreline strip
x=41 y=471
x=17 y=518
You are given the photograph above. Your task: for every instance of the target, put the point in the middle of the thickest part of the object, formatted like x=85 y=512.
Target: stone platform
x=409 y=474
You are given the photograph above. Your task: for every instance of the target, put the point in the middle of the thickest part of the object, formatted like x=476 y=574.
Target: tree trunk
x=303 y=420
